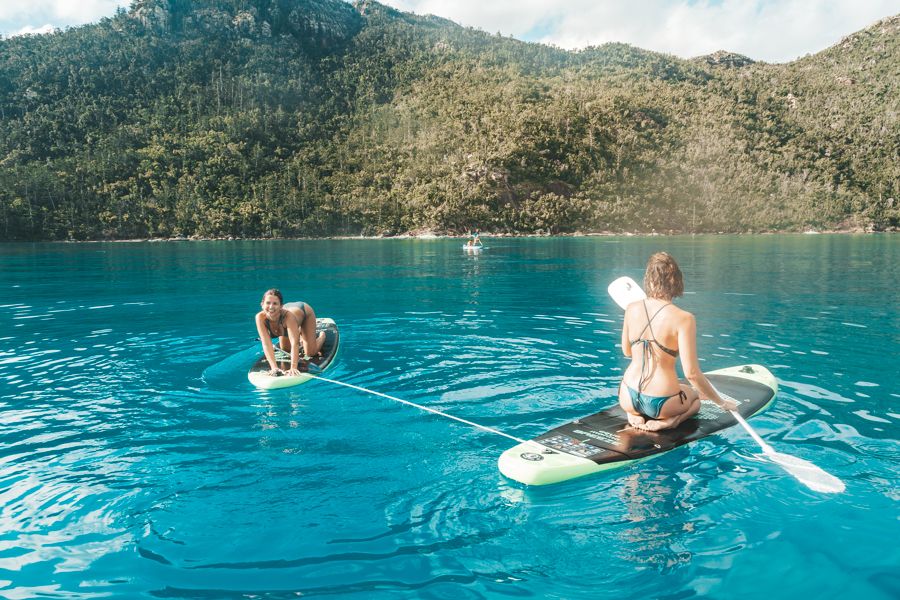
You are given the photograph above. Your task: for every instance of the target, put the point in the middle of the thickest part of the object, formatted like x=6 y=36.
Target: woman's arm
x=690 y=364
x=626 y=340
x=266 y=340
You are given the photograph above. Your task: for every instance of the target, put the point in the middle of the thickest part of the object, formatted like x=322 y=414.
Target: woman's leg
x=635 y=419
x=676 y=410
x=312 y=343
x=284 y=341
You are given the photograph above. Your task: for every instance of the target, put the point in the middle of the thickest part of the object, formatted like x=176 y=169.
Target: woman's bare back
x=660 y=377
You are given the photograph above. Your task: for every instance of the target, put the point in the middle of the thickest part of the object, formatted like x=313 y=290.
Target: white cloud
x=80 y=10
x=28 y=30
x=34 y=16
x=772 y=30
x=514 y=17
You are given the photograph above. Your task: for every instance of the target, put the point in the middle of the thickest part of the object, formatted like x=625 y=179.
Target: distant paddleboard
x=259 y=372
x=473 y=248
x=605 y=441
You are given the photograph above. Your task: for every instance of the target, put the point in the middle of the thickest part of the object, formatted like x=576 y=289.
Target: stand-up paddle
x=624 y=291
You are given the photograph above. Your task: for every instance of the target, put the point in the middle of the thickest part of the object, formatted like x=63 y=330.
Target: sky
x=768 y=30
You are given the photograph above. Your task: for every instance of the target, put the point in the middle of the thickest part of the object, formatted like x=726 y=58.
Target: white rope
x=419 y=406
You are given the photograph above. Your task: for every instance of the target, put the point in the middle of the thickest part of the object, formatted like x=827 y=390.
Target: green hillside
x=272 y=118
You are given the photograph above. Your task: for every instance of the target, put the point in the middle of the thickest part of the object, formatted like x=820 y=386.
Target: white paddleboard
x=259 y=372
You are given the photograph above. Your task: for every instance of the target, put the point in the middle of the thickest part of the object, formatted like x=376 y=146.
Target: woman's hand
x=293 y=372
x=275 y=372
x=728 y=404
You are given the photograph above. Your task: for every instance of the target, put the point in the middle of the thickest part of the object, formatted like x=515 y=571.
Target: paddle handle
x=762 y=444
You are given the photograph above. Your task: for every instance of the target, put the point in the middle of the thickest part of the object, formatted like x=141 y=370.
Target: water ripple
x=137 y=461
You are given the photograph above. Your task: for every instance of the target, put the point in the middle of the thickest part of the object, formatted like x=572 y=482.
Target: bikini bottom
x=650 y=406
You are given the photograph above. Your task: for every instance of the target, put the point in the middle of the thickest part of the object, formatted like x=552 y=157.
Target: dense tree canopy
x=270 y=118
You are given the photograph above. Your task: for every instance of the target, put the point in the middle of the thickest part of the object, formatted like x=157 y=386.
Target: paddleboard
x=259 y=372
x=473 y=248
x=605 y=441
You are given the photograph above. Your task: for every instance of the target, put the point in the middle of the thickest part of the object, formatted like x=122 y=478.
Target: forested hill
x=276 y=118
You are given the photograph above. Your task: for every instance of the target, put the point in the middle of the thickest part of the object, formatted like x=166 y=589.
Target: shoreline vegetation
x=295 y=119
x=427 y=235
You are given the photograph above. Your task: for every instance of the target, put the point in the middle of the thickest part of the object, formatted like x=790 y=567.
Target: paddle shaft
x=762 y=444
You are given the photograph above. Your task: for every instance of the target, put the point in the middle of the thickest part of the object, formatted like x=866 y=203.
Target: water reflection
x=656 y=521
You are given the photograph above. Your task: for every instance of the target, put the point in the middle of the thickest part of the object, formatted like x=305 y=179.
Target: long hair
x=663 y=278
x=275 y=293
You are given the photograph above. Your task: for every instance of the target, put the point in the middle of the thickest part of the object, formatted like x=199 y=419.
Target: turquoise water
x=137 y=461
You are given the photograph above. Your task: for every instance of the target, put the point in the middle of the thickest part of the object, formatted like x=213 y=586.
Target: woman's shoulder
x=681 y=315
x=680 y=311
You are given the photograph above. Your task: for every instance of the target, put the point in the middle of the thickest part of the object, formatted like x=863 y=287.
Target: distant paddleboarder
x=655 y=332
x=474 y=240
x=294 y=324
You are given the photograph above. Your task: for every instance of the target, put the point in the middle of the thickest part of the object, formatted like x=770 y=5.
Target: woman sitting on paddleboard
x=290 y=323
x=654 y=334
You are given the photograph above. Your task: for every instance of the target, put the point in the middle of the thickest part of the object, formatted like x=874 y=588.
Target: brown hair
x=663 y=278
x=275 y=293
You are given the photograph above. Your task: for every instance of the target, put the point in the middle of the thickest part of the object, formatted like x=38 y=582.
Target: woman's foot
x=660 y=424
x=636 y=420
x=654 y=425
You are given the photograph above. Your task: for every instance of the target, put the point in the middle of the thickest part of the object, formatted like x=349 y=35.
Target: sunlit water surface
x=137 y=461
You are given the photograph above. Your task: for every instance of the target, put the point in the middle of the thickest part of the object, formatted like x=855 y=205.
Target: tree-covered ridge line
x=281 y=118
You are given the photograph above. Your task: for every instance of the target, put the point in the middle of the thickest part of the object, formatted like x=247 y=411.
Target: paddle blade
x=625 y=290
x=808 y=474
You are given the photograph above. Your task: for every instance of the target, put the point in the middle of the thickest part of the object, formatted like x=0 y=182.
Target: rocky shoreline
x=431 y=235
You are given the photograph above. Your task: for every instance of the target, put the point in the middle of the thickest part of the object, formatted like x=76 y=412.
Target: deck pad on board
x=606 y=435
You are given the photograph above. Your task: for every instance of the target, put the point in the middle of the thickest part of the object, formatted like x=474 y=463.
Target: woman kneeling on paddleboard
x=290 y=323
x=654 y=334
